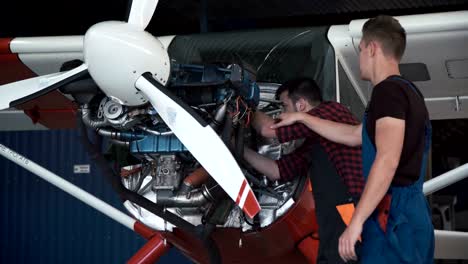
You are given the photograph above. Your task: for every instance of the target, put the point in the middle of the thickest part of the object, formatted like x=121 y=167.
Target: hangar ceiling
x=47 y=18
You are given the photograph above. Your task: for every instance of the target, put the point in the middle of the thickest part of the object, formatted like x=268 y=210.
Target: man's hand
x=287 y=119
x=262 y=124
x=348 y=241
x=266 y=166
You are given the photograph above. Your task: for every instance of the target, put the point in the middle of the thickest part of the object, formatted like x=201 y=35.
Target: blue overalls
x=409 y=235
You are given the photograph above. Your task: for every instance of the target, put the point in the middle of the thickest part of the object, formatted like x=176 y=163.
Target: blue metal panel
x=42 y=224
x=161 y=144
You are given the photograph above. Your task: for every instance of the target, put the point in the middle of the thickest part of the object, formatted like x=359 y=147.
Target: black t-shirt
x=395 y=98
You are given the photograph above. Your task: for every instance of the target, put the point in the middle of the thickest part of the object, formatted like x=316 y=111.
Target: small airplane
x=176 y=114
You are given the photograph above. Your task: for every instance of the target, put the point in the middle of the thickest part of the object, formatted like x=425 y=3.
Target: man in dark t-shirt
x=335 y=170
x=393 y=98
x=392 y=216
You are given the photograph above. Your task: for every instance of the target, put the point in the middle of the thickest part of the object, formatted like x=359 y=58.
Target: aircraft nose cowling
x=117 y=54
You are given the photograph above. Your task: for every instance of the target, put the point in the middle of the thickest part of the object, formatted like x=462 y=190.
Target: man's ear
x=372 y=48
x=301 y=104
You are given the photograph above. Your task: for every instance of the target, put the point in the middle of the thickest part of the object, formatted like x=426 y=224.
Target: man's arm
x=345 y=134
x=266 y=166
x=389 y=136
x=262 y=124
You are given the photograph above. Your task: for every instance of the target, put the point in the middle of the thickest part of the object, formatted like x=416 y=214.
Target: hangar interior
x=278 y=40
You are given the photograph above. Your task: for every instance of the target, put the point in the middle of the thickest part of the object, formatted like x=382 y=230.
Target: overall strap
x=427 y=129
x=368 y=149
x=408 y=83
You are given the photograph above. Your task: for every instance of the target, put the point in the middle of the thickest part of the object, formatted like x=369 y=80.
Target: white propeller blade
x=141 y=12
x=202 y=141
x=22 y=91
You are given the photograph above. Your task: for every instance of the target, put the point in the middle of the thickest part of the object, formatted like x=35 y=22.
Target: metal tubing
x=450 y=245
x=68 y=187
x=151 y=251
x=445 y=179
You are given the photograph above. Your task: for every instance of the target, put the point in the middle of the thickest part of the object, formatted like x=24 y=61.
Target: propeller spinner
x=118 y=53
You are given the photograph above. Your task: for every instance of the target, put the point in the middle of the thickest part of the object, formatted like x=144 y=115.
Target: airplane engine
x=159 y=167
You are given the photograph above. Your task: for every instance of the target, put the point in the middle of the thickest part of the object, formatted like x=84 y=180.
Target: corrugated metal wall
x=42 y=224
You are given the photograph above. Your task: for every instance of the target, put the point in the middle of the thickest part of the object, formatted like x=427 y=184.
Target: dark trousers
x=329 y=191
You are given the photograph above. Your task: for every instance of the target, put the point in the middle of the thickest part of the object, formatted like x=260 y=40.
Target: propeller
x=132 y=67
x=202 y=141
x=20 y=92
x=141 y=13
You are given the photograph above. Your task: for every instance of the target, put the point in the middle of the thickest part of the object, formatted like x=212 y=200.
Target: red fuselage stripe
x=5 y=45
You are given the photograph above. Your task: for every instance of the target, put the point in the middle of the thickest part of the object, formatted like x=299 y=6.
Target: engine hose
x=88 y=121
x=108 y=133
x=193 y=180
x=239 y=151
x=154 y=132
x=120 y=143
x=133 y=197
x=227 y=131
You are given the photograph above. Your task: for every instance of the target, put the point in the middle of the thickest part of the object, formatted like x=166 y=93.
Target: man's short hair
x=388 y=32
x=303 y=87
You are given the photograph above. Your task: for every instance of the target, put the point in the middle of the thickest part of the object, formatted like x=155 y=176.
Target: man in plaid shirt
x=335 y=170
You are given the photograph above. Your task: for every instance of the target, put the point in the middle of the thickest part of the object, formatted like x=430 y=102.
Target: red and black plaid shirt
x=347 y=160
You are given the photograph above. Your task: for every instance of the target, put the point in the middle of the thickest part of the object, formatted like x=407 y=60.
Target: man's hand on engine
x=287 y=119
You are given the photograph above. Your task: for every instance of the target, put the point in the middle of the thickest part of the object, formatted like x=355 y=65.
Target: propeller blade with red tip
x=202 y=141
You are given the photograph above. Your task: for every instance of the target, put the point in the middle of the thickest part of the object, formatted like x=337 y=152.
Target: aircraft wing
x=24 y=58
x=27 y=57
